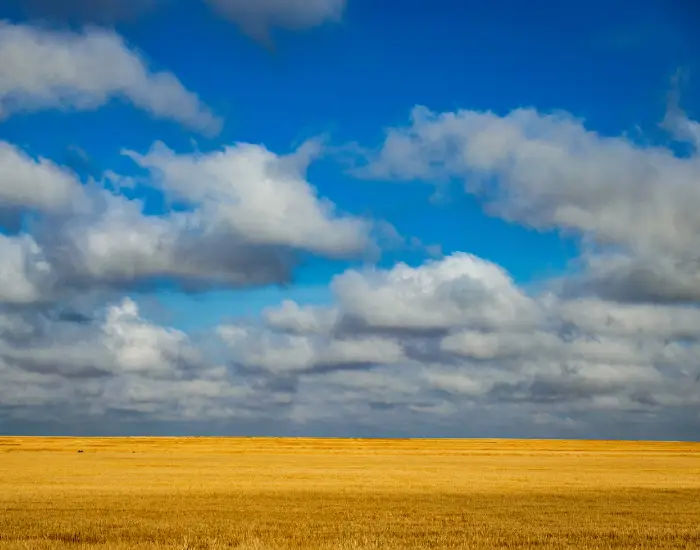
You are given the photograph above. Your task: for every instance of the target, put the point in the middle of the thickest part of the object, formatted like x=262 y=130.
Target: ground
x=255 y=493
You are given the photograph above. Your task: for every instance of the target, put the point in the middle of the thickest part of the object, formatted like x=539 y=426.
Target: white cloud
x=457 y=333
x=285 y=353
x=645 y=321
x=116 y=362
x=116 y=244
x=512 y=346
x=24 y=272
x=257 y=18
x=595 y=362
x=676 y=121
x=290 y=317
x=141 y=347
x=35 y=183
x=458 y=290
x=41 y=68
x=548 y=171
x=457 y=383
x=120 y=344
x=253 y=194
x=249 y=215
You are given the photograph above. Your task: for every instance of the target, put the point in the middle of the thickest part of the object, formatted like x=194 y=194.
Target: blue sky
x=348 y=78
x=608 y=64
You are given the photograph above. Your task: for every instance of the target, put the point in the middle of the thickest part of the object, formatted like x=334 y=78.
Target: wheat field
x=255 y=493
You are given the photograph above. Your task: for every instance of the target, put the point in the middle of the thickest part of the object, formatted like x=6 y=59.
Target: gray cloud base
x=502 y=363
x=636 y=208
x=250 y=214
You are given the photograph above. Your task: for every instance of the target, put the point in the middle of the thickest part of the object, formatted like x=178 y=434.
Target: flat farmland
x=255 y=493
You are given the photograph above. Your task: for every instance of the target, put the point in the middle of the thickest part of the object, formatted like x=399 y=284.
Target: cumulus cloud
x=665 y=322
x=139 y=346
x=549 y=171
x=38 y=184
x=24 y=270
x=257 y=18
x=635 y=207
x=41 y=68
x=249 y=215
x=117 y=245
x=295 y=319
x=664 y=277
x=122 y=342
x=281 y=353
x=248 y=191
x=676 y=121
x=117 y=363
x=554 y=365
x=460 y=289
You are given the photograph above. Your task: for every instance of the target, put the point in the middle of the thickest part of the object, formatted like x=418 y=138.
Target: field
x=334 y=493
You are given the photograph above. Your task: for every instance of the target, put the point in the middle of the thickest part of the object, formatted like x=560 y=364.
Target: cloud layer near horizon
x=453 y=344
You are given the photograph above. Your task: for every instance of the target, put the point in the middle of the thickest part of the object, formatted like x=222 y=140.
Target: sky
x=350 y=218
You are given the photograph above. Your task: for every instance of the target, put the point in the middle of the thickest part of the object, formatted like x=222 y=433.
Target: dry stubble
x=305 y=493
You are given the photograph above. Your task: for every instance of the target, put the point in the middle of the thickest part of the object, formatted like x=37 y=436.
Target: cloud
x=285 y=353
x=628 y=277
x=257 y=18
x=586 y=365
x=116 y=342
x=41 y=68
x=40 y=184
x=245 y=216
x=547 y=171
x=24 y=270
x=676 y=121
x=460 y=289
x=116 y=362
x=453 y=345
x=117 y=245
x=247 y=191
x=141 y=347
x=292 y=318
x=645 y=321
x=249 y=214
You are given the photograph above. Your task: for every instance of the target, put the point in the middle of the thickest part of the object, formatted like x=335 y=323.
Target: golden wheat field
x=259 y=493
